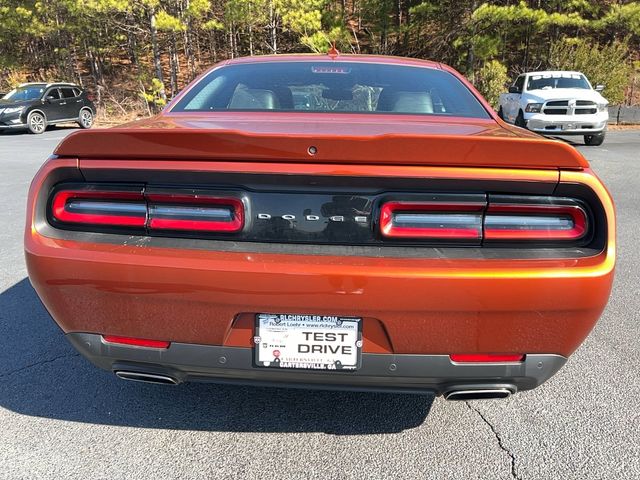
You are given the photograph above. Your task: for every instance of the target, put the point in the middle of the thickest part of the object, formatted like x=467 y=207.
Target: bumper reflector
x=137 y=342
x=486 y=358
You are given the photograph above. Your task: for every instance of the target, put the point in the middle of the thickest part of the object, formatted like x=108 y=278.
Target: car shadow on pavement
x=42 y=375
x=24 y=131
x=571 y=140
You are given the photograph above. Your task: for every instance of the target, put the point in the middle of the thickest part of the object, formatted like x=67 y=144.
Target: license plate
x=317 y=342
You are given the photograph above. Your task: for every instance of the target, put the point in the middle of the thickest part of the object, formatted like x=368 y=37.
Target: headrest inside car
x=253 y=99
x=412 y=102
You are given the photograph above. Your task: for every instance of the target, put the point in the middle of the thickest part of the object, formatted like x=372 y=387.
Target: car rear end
x=88 y=101
x=397 y=253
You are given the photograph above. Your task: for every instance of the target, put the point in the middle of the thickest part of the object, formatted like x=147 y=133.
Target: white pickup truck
x=556 y=103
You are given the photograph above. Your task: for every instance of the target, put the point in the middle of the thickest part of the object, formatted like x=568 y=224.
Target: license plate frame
x=282 y=332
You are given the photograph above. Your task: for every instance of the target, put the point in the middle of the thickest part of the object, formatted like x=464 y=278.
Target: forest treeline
x=141 y=52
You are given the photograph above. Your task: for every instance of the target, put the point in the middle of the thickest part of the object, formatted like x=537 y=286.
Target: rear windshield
x=339 y=87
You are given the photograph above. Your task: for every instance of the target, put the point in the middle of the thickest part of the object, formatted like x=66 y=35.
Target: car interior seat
x=405 y=102
x=253 y=99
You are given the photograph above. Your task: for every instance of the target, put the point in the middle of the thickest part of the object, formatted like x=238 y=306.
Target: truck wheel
x=520 y=121
x=595 y=139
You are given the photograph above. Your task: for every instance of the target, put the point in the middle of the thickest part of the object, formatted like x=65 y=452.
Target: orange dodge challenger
x=345 y=222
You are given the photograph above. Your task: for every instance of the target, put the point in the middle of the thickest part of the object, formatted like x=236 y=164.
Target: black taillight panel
x=296 y=216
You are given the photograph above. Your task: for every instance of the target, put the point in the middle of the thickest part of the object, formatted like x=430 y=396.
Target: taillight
x=136 y=342
x=98 y=207
x=500 y=219
x=431 y=220
x=461 y=219
x=191 y=211
x=534 y=222
x=195 y=212
x=486 y=358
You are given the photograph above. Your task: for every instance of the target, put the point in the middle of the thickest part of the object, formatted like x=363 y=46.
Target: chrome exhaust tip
x=146 y=377
x=479 y=394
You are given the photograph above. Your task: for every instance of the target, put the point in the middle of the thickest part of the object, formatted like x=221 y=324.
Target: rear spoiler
x=387 y=149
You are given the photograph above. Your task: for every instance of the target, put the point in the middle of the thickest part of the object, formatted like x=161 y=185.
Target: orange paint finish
x=344 y=139
x=436 y=305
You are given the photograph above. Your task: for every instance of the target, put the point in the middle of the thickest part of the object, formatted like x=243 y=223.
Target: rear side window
x=520 y=83
x=336 y=87
x=68 y=93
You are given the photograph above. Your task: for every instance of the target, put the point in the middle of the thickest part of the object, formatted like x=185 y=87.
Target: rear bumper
x=379 y=372
x=408 y=306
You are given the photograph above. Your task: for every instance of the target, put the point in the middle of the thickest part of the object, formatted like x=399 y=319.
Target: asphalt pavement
x=60 y=417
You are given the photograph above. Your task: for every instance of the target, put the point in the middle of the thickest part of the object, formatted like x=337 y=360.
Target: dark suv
x=34 y=106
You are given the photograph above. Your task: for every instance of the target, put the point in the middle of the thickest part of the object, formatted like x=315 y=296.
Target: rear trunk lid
x=324 y=138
